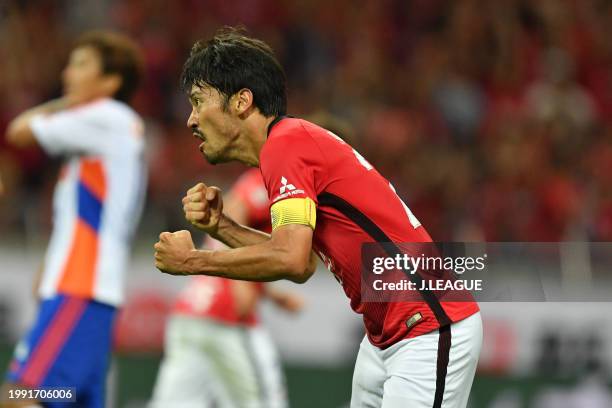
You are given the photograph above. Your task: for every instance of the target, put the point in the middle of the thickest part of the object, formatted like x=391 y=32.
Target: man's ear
x=111 y=84
x=242 y=101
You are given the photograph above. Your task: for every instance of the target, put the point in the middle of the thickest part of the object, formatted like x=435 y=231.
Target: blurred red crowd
x=492 y=119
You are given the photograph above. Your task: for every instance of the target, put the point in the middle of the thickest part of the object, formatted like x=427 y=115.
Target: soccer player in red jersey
x=326 y=199
x=216 y=351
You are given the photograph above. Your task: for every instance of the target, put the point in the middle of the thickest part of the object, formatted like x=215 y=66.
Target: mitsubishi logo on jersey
x=285 y=186
x=287 y=190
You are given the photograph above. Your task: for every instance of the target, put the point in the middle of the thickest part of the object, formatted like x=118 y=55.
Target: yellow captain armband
x=294 y=211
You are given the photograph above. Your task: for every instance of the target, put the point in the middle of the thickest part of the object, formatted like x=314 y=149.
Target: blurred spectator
x=492 y=119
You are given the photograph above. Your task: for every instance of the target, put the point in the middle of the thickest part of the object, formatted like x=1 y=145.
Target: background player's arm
x=37 y=280
x=286 y=255
x=289 y=301
x=245 y=296
x=19 y=132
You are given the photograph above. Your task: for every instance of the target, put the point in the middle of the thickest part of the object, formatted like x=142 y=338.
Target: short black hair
x=231 y=61
x=119 y=55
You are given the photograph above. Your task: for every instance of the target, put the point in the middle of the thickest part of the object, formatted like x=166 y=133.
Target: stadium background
x=493 y=119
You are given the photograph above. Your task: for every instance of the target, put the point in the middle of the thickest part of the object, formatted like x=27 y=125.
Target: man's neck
x=256 y=132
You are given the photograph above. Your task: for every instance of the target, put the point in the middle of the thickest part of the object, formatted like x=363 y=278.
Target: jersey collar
x=275 y=121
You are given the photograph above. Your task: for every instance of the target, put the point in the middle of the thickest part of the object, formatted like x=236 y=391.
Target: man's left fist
x=172 y=252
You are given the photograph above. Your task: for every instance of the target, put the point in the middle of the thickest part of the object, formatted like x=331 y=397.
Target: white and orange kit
x=96 y=207
x=97 y=201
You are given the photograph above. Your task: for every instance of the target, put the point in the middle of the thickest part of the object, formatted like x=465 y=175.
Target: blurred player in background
x=96 y=206
x=216 y=352
x=325 y=197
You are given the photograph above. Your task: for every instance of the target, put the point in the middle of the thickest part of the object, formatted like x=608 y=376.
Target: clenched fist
x=203 y=207
x=172 y=252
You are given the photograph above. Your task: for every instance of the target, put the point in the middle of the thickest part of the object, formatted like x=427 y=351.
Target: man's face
x=211 y=123
x=83 y=78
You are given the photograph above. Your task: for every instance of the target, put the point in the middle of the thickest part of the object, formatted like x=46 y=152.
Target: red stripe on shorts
x=52 y=341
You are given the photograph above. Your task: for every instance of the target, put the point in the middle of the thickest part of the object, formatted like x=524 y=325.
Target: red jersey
x=355 y=205
x=213 y=297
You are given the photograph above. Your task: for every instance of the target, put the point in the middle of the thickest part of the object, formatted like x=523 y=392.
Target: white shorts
x=434 y=370
x=210 y=364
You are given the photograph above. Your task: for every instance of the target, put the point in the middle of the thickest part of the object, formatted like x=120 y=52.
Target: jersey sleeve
x=80 y=130
x=291 y=168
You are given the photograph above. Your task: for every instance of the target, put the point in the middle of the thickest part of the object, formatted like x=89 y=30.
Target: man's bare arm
x=19 y=132
x=286 y=255
x=236 y=235
x=287 y=300
x=245 y=293
x=203 y=207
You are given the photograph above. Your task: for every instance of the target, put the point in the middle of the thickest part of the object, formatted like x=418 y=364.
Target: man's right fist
x=203 y=207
